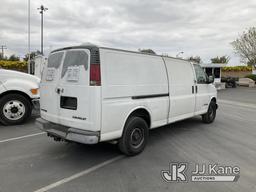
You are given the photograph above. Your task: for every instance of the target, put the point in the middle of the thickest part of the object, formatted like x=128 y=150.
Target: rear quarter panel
x=124 y=75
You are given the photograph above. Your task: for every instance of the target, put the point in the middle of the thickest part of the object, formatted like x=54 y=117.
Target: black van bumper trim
x=150 y=96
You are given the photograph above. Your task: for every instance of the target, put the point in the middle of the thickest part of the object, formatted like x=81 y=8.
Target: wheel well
x=143 y=113
x=17 y=92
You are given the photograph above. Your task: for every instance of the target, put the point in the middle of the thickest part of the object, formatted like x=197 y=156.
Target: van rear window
x=74 y=58
x=54 y=60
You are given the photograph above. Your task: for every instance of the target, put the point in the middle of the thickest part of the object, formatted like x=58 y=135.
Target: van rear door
x=49 y=100
x=68 y=97
x=74 y=89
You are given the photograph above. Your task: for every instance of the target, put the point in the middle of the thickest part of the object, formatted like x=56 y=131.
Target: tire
x=209 y=117
x=14 y=109
x=135 y=136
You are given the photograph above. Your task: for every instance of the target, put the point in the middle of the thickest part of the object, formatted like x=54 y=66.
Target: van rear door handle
x=57 y=90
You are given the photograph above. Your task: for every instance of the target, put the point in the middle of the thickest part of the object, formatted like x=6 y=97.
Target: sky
x=196 y=27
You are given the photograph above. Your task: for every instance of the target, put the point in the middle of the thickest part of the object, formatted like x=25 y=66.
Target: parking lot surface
x=30 y=161
x=239 y=94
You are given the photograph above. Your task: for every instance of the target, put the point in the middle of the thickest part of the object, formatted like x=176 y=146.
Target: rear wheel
x=209 y=117
x=14 y=109
x=135 y=136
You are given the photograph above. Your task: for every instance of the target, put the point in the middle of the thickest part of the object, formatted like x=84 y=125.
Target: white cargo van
x=92 y=94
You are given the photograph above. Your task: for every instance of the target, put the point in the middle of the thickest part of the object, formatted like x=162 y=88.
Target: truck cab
x=19 y=93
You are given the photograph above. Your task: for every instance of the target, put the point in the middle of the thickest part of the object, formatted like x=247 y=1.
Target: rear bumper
x=68 y=133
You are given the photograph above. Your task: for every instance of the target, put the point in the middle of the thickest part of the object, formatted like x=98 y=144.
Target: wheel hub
x=14 y=110
x=137 y=137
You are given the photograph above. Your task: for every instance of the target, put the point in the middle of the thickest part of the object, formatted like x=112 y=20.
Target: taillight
x=95 y=79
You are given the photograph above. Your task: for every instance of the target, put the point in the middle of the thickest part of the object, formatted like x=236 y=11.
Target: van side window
x=201 y=77
x=74 y=58
x=54 y=60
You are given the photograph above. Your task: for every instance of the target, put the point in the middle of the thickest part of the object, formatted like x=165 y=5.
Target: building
x=214 y=69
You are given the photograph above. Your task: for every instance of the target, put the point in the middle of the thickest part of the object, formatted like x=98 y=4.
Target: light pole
x=42 y=10
x=28 y=36
x=179 y=54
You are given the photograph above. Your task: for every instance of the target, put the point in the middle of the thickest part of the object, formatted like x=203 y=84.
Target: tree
x=32 y=55
x=149 y=51
x=223 y=59
x=245 y=46
x=196 y=59
x=13 y=58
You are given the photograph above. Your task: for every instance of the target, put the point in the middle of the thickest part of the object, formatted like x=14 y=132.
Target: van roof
x=92 y=46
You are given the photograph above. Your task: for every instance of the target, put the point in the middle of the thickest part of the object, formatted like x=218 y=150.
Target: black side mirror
x=210 y=79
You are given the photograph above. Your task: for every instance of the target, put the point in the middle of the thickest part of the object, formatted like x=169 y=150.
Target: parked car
x=18 y=92
x=230 y=81
x=246 y=82
x=92 y=94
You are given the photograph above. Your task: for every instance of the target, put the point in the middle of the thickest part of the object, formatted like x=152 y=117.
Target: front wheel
x=209 y=117
x=14 y=109
x=135 y=136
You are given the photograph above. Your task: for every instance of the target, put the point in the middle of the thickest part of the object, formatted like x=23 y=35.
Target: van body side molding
x=150 y=96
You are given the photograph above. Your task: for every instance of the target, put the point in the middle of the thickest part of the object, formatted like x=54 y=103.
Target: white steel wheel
x=14 y=109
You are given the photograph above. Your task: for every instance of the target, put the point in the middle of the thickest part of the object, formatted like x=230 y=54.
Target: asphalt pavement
x=239 y=94
x=30 y=161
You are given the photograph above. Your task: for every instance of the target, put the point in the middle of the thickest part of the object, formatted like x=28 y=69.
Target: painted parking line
x=21 y=137
x=80 y=174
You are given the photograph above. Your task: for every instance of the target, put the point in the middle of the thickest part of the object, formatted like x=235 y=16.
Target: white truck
x=19 y=92
x=92 y=94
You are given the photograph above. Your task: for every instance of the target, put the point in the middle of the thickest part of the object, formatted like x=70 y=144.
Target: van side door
x=201 y=90
x=181 y=89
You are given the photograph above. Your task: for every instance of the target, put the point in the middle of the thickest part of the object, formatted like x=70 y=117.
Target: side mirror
x=210 y=79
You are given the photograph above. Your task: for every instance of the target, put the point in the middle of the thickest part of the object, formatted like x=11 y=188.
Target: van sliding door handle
x=196 y=89
x=192 y=89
